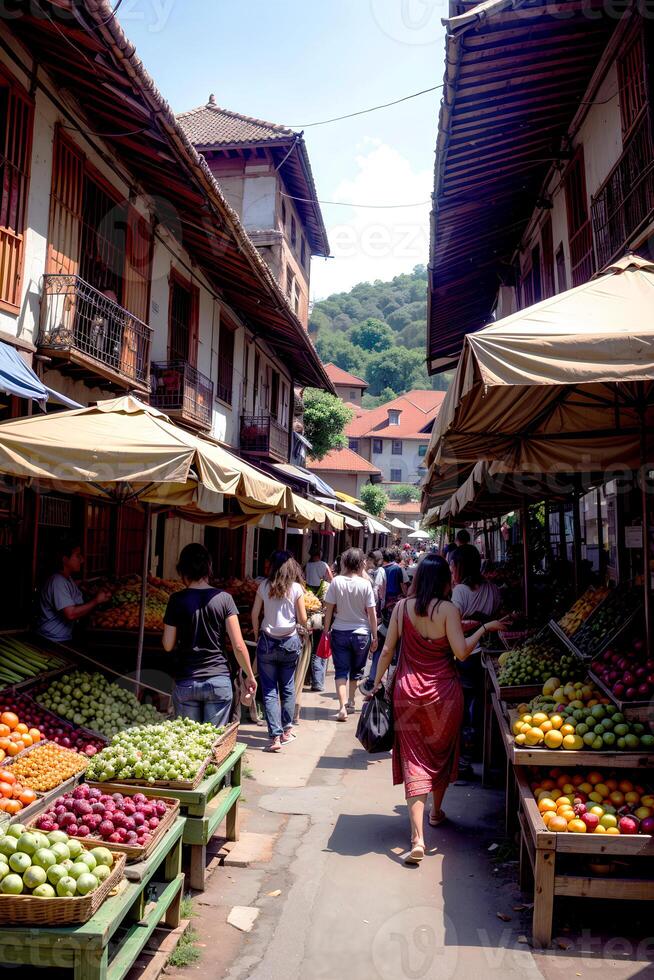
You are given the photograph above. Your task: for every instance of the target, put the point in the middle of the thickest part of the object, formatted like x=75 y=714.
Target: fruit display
x=51 y=727
x=15 y=734
x=95 y=702
x=174 y=750
x=124 y=608
x=593 y=804
x=578 y=726
x=242 y=590
x=628 y=673
x=312 y=603
x=577 y=615
x=117 y=819
x=616 y=609
x=19 y=661
x=47 y=766
x=14 y=797
x=536 y=660
x=50 y=865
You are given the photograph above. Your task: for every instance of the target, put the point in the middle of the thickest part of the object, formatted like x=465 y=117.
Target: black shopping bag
x=375 y=728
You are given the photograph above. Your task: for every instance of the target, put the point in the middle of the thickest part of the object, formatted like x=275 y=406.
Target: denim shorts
x=349 y=653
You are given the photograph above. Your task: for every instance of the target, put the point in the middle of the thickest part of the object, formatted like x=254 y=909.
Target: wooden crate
x=205 y=807
x=632 y=710
x=515 y=694
x=542 y=857
x=126 y=920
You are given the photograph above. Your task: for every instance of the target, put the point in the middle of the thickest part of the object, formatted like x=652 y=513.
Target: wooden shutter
x=15 y=157
x=138 y=264
x=547 y=244
x=65 y=208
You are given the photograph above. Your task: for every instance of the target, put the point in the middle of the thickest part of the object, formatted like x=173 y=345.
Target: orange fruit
x=22 y=728
x=6 y=791
x=7 y=776
x=594 y=777
x=546 y=804
x=4 y=731
x=13 y=806
x=27 y=796
x=576 y=827
x=35 y=734
x=557 y=824
x=9 y=719
x=612 y=830
x=14 y=748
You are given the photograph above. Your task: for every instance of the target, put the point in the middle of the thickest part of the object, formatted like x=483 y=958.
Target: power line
x=347 y=204
x=363 y=112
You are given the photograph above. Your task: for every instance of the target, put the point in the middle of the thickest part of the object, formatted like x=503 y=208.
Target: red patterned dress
x=427 y=711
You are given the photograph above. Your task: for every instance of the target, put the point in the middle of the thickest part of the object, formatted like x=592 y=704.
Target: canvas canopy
x=400 y=525
x=124 y=441
x=566 y=385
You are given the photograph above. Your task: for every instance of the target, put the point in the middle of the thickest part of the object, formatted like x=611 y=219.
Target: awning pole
x=647 y=590
x=144 y=594
x=600 y=535
x=576 y=544
x=524 y=519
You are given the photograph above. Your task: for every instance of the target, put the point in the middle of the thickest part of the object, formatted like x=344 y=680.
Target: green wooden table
x=106 y=947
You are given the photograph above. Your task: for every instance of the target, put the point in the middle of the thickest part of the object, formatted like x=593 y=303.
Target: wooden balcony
x=262 y=437
x=92 y=338
x=182 y=392
x=625 y=201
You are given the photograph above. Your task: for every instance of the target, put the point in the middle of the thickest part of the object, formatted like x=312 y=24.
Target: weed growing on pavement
x=186 y=952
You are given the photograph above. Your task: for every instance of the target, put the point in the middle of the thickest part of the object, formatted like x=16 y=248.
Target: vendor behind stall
x=61 y=602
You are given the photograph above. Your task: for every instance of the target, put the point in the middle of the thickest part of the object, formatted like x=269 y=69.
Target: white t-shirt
x=485 y=600
x=279 y=614
x=315 y=572
x=352 y=596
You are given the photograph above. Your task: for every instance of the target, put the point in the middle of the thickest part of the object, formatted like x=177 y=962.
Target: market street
x=330 y=830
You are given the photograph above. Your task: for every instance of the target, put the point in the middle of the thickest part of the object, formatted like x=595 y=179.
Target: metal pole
x=144 y=594
x=524 y=520
x=576 y=544
x=600 y=534
x=647 y=588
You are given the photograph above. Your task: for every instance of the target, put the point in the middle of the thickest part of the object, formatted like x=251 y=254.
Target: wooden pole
x=144 y=594
x=524 y=520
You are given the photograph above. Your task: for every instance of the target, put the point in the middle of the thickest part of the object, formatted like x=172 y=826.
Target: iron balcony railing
x=179 y=388
x=76 y=318
x=262 y=435
x=625 y=201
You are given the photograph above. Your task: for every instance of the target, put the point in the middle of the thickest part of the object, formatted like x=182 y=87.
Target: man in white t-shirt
x=316 y=571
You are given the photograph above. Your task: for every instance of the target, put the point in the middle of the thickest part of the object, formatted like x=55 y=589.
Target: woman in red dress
x=427 y=695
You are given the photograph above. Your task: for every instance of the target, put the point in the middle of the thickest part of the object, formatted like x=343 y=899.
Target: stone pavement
x=324 y=836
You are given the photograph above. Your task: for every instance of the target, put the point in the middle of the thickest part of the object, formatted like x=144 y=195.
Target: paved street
x=324 y=826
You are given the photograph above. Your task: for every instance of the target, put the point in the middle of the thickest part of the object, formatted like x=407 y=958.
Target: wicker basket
x=26 y=910
x=75 y=776
x=160 y=783
x=224 y=746
x=132 y=852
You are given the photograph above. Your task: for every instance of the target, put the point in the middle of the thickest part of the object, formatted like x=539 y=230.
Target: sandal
x=342 y=715
x=416 y=854
x=436 y=819
x=350 y=707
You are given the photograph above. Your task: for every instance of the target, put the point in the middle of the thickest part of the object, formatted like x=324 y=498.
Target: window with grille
x=378 y=446
x=102 y=256
x=396 y=448
x=16 y=123
x=547 y=246
x=631 y=84
x=182 y=320
x=396 y=476
x=225 y=364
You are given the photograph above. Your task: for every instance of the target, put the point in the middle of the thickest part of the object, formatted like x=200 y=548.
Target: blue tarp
x=17 y=378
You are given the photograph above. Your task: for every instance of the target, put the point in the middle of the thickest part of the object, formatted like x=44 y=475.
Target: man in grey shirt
x=62 y=603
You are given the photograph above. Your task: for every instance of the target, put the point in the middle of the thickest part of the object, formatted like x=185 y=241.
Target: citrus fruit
x=553 y=739
x=576 y=827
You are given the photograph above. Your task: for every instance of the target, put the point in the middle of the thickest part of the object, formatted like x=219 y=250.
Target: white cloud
x=371 y=243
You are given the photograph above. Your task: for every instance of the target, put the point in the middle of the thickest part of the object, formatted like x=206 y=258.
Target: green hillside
x=377 y=331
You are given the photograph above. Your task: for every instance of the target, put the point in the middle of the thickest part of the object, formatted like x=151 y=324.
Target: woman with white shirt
x=350 y=615
x=280 y=598
x=316 y=571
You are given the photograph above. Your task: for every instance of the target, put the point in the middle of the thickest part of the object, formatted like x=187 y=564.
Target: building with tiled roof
x=348 y=386
x=345 y=471
x=395 y=435
x=264 y=172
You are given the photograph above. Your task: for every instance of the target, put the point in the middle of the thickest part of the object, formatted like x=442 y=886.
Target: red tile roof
x=418 y=409
x=340 y=377
x=342 y=461
x=394 y=507
x=211 y=125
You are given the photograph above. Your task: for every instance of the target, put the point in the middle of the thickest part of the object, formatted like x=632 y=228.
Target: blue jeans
x=205 y=700
x=349 y=653
x=277 y=659
x=318 y=664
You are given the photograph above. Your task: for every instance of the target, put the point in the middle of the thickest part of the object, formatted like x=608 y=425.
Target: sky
x=300 y=61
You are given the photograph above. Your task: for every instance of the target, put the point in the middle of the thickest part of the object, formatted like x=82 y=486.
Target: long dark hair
x=467 y=562
x=432 y=580
x=284 y=571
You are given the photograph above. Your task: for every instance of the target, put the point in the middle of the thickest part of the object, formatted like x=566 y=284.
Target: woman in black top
x=195 y=624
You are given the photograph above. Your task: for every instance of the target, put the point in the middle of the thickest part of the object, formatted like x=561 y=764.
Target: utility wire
x=347 y=204
x=363 y=112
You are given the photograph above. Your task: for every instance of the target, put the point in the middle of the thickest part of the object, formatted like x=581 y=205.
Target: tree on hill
x=393 y=368
x=372 y=335
x=404 y=493
x=325 y=418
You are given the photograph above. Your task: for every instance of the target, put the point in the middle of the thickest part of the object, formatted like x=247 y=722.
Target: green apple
x=88 y=858
x=102 y=872
x=44 y=858
x=11 y=885
x=60 y=850
x=34 y=877
x=77 y=869
x=44 y=891
x=86 y=883
x=41 y=839
x=8 y=845
x=609 y=820
x=16 y=830
x=66 y=887
x=55 y=873
x=57 y=837
x=27 y=843
x=102 y=855
x=20 y=862
x=75 y=848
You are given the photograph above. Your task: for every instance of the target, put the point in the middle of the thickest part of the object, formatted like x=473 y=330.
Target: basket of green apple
x=53 y=879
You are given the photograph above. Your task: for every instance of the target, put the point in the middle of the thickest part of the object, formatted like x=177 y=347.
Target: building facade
x=348 y=387
x=345 y=471
x=265 y=175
